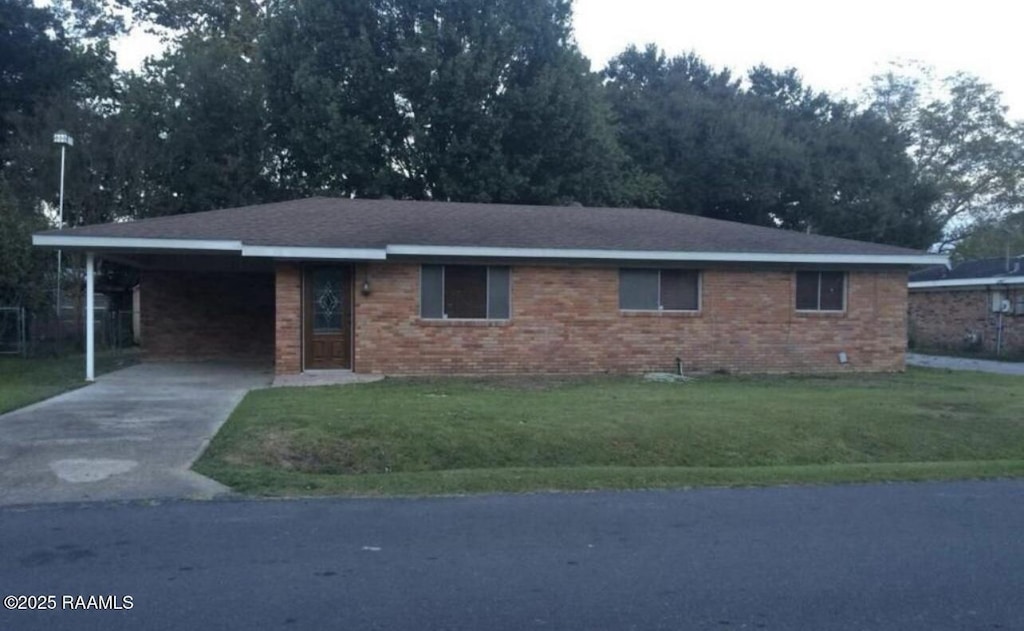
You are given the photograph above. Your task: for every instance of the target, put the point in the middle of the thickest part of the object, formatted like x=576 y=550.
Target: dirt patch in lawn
x=294 y=451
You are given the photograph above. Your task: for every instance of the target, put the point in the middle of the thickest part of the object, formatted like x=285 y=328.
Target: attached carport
x=197 y=302
x=229 y=285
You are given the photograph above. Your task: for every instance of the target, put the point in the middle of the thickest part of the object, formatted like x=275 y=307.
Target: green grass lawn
x=27 y=380
x=458 y=435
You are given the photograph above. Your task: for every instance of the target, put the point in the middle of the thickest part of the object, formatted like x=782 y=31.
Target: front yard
x=459 y=435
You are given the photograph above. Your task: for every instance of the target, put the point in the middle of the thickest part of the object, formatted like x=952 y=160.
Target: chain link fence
x=40 y=332
x=13 y=336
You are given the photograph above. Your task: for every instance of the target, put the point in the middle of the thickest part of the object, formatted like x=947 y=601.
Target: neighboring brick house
x=975 y=306
x=406 y=287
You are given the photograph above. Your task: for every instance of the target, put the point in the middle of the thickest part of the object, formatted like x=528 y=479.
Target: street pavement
x=928 y=556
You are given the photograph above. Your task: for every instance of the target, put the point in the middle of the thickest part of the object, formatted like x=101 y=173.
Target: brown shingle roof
x=359 y=223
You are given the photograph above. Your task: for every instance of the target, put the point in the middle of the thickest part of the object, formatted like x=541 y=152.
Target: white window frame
x=796 y=285
x=661 y=308
x=487 y=295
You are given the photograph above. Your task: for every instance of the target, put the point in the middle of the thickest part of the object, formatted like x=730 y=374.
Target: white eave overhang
x=664 y=255
x=967 y=283
x=323 y=254
x=122 y=244
x=207 y=246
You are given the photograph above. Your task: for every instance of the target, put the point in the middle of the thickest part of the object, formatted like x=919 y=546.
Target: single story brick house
x=414 y=287
x=976 y=305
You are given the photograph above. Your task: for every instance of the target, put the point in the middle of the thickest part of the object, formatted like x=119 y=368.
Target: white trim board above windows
x=399 y=251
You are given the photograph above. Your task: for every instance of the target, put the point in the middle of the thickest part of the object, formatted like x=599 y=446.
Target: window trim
x=487 y=294
x=661 y=309
x=845 y=294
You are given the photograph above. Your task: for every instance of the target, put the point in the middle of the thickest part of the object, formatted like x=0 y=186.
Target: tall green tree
x=24 y=271
x=993 y=238
x=961 y=141
x=774 y=153
x=195 y=117
x=440 y=99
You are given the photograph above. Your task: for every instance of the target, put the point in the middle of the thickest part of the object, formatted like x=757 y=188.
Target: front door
x=327 y=306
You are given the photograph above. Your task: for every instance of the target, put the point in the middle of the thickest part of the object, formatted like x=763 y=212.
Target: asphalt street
x=898 y=556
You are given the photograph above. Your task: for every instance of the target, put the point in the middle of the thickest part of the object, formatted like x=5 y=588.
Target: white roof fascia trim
x=966 y=282
x=288 y=252
x=667 y=255
x=134 y=243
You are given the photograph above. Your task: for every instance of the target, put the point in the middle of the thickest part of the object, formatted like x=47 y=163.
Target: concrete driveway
x=131 y=435
x=963 y=363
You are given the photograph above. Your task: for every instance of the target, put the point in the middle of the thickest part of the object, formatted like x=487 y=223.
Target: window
x=820 y=291
x=657 y=290
x=470 y=292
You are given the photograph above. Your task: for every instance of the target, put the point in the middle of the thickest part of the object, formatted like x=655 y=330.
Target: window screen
x=432 y=291
x=472 y=292
x=680 y=289
x=498 y=294
x=638 y=289
x=652 y=289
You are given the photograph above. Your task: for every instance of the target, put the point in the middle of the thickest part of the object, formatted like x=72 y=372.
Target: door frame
x=306 y=315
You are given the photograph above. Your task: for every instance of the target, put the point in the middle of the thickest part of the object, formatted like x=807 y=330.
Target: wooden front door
x=327 y=308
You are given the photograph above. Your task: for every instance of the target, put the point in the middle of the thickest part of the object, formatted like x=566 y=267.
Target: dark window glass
x=432 y=291
x=498 y=293
x=328 y=300
x=807 y=291
x=820 y=291
x=638 y=289
x=680 y=289
x=465 y=291
x=832 y=291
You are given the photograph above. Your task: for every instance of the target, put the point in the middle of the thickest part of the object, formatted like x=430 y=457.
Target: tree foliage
x=259 y=100
x=993 y=238
x=773 y=153
x=439 y=99
x=961 y=142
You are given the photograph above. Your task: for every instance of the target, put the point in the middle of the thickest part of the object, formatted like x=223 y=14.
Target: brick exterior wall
x=288 y=319
x=207 y=315
x=944 y=319
x=567 y=320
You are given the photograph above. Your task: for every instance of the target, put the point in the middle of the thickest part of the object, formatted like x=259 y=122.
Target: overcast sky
x=837 y=47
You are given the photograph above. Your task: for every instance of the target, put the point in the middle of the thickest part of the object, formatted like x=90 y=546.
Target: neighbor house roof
x=355 y=229
x=976 y=273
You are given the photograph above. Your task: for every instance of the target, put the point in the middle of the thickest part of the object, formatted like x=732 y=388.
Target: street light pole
x=65 y=140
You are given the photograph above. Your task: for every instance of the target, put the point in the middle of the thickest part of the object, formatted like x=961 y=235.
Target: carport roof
x=356 y=229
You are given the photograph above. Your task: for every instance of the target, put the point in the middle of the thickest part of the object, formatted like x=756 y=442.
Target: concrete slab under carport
x=131 y=435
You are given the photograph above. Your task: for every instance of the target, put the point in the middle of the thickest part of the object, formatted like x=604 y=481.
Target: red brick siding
x=288 y=319
x=207 y=315
x=567 y=320
x=942 y=320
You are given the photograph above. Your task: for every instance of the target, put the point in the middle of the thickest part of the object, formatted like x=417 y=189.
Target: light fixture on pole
x=65 y=140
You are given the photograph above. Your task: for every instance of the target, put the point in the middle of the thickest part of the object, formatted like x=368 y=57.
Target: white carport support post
x=90 y=341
